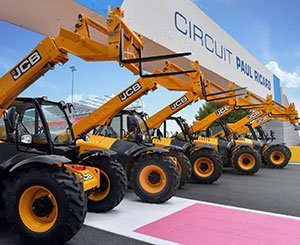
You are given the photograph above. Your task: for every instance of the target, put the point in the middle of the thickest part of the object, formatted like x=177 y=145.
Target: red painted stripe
x=207 y=224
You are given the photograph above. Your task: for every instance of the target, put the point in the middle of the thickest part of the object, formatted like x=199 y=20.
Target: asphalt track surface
x=271 y=190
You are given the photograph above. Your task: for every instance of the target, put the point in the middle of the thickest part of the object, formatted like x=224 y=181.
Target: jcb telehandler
x=44 y=191
x=274 y=155
x=130 y=125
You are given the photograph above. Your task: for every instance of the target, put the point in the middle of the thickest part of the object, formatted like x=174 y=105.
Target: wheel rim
x=246 y=161
x=153 y=179
x=175 y=160
x=38 y=209
x=204 y=167
x=98 y=194
x=277 y=157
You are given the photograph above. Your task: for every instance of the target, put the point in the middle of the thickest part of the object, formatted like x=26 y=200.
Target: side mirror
x=26 y=139
x=131 y=123
x=10 y=119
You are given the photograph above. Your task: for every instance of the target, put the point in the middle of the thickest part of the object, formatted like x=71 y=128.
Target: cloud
x=288 y=79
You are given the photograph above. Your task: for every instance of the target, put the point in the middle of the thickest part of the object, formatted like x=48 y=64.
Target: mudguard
x=182 y=145
x=237 y=147
x=173 y=147
x=15 y=163
x=97 y=152
x=151 y=149
x=204 y=146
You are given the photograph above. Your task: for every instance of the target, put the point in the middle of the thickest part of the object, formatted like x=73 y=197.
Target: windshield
x=59 y=127
x=217 y=128
x=143 y=126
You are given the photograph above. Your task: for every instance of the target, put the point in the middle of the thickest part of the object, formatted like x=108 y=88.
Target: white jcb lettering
x=222 y=110
x=179 y=102
x=130 y=91
x=25 y=65
x=253 y=115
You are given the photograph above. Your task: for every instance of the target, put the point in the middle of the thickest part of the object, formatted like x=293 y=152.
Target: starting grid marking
x=186 y=221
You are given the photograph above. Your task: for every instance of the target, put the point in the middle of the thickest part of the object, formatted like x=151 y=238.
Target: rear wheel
x=113 y=184
x=44 y=205
x=206 y=166
x=154 y=178
x=246 y=161
x=277 y=156
x=184 y=166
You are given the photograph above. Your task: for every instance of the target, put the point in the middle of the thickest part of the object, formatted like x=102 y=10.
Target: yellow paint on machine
x=95 y=142
x=295 y=153
x=244 y=141
x=162 y=142
x=206 y=140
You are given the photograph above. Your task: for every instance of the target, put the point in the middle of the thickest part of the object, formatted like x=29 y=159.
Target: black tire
x=185 y=166
x=206 y=166
x=288 y=151
x=65 y=190
x=113 y=184
x=246 y=161
x=277 y=156
x=164 y=168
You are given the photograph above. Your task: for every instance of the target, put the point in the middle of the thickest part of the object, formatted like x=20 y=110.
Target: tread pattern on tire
x=118 y=182
x=186 y=166
x=173 y=178
x=254 y=153
x=215 y=158
x=278 y=147
x=74 y=205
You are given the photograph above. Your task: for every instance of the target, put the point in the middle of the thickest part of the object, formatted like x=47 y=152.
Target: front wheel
x=113 y=185
x=44 y=205
x=154 y=178
x=184 y=166
x=206 y=166
x=277 y=156
x=246 y=161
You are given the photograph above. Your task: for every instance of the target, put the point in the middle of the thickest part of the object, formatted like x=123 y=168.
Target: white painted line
x=132 y=214
x=294 y=163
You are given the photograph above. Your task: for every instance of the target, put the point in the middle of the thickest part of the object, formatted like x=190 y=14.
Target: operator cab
x=127 y=124
x=174 y=127
x=41 y=126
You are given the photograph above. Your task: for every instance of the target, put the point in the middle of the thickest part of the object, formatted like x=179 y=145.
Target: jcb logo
x=262 y=119
x=130 y=91
x=25 y=65
x=253 y=115
x=179 y=102
x=222 y=110
x=87 y=177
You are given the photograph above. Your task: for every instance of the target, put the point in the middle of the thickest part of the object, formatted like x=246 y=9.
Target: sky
x=269 y=30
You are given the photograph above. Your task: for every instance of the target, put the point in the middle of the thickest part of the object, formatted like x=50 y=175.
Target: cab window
x=32 y=124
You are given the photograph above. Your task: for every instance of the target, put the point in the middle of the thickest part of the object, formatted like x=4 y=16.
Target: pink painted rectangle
x=207 y=224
